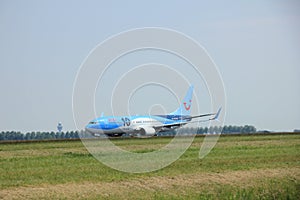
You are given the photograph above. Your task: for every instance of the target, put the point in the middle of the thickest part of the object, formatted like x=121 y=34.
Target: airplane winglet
x=217 y=114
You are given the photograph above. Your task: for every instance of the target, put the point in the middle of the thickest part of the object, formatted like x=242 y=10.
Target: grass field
x=239 y=167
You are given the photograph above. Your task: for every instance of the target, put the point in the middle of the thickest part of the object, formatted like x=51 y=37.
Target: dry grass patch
x=175 y=185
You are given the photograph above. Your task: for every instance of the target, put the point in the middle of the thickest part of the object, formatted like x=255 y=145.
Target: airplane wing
x=177 y=124
x=181 y=123
x=216 y=115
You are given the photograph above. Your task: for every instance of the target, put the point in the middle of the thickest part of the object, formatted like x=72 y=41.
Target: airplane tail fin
x=185 y=106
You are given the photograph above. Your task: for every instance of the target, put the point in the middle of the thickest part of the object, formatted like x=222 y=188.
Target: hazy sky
x=255 y=44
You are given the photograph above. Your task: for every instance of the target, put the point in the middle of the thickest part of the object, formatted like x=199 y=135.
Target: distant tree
x=32 y=136
x=194 y=130
x=224 y=129
x=20 y=136
x=27 y=136
x=235 y=129
x=230 y=129
x=200 y=130
x=218 y=129
x=252 y=129
x=248 y=129
x=76 y=134
x=52 y=135
x=67 y=135
x=57 y=135
x=11 y=135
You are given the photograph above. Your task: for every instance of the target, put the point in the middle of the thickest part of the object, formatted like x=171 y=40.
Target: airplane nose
x=88 y=129
x=93 y=129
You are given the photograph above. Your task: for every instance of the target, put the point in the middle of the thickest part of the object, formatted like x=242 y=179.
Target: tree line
x=219 y=129
x=214 y=130
x=16 y=135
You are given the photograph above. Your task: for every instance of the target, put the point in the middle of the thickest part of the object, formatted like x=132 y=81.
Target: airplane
x=147 y=125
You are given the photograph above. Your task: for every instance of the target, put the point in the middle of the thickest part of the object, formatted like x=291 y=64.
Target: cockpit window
x=93 y=122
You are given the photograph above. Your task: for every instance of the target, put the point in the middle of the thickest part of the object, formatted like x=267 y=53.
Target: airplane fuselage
x=144 y=125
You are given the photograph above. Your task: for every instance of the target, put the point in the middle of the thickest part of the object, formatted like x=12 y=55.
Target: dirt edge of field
x=172 y=184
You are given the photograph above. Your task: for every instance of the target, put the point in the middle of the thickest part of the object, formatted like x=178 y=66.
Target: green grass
x=239 y=167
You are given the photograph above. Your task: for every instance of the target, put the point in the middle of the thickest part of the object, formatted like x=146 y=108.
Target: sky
x=255 y=45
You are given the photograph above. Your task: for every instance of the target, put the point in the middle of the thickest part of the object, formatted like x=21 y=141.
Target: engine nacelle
x=147 y=131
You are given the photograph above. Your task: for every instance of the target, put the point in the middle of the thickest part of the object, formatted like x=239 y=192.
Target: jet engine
x=147 y=131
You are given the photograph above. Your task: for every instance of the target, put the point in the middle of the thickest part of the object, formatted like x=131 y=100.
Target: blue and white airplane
x=146 y=125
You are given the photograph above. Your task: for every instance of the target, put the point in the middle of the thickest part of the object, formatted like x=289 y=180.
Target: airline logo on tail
x=187 y=107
